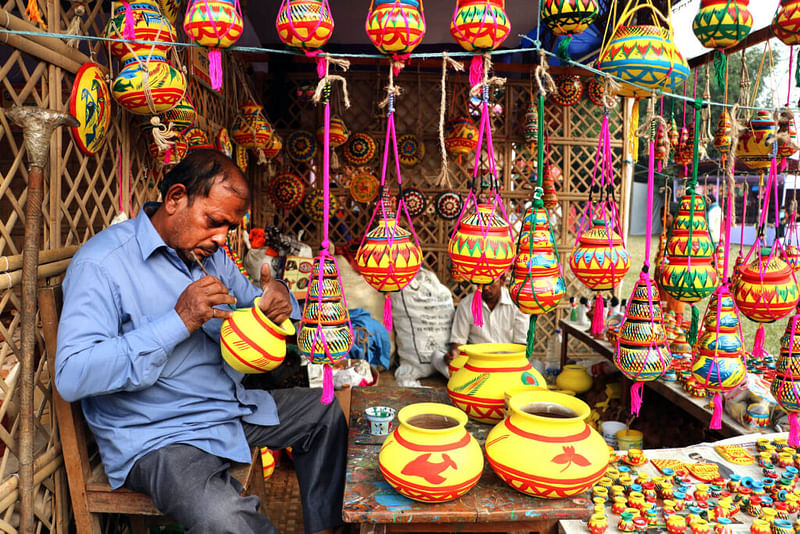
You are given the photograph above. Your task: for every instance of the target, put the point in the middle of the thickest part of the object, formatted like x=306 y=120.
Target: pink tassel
x=716 y=417
x=784 y=165
x=387 y=313
x=476 y=71
x=477 y=307
x=758 y=344
x=636 y=397
x=168 y=155
x=598 y=324
x=128 y=31
x=327 y=386
x=794 y=430
x=215 y=68
x=659 y=166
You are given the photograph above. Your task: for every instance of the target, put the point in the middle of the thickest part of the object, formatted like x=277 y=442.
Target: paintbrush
x=205 y=271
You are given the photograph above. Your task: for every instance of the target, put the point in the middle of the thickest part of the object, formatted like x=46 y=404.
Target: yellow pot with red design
x=251 y=343
x=430 y=456
x=600 y=261
x=570 y=456
x=786 y=24
x=148 y=25
x=480 y=24
x=395 y=26
x=481 y=247
x=165 y=83
x=389 y=259
x=768 y=296
x=305 y=24
x=755 y=142
x=478 y=388
x=460 y=136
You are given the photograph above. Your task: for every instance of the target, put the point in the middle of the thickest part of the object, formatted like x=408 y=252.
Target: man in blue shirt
x=138 y=345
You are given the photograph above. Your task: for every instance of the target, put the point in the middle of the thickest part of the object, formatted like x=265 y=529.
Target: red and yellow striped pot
x=570 y=455
x=305 y=24
x=389 y=258
x=600 y=261
x=770 y=296
x=480 y=24
x=213 y=23
x=430 y=456
x=482 y=248
x=395 y=26
x=251 y=343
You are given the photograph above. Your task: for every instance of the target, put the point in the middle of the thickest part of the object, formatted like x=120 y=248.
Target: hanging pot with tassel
x=786 y=24
x=569 y=17
x=140 y=21
x=550 y=175
x=600 y=260
x=766 y=289
x=395 y=26
x=482 y=248
x=305 y=24
x=722 y=23
x=460 y=137
x=214 y=24
x=786 y=384
x=480 y=24
x=251 y=129
x=755 y=142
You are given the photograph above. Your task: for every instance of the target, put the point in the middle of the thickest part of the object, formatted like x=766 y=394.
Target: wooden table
x=672 y=391
x=491 y=506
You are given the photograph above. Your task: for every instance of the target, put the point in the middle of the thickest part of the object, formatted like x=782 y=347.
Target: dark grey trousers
x=196 y=489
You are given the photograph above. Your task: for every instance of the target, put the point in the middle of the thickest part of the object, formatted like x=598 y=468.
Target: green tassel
x=720 y=65
x=562 y=51
x=531 y=336
x=691 y=336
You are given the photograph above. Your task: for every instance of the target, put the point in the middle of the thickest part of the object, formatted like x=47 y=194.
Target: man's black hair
x=197 y=172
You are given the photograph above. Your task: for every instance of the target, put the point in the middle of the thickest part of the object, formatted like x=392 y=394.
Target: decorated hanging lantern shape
x=274 y=147
x=460 y=137
x=306 y=24
x=214 y=24
x=674 y=134
x=786 y=384
x=662 y=146
x=480 y=24
x=755 y=141
x=339 y=134
x=683 y=154
x=182 y=116
x=395 y=27
x=251 y=129
x=722 y=24
x=786 y=24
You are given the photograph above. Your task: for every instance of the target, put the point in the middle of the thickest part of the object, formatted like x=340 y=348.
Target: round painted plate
x=301 y=146
x=360 y=149
x=364 y=187
x=90 y=103
x=240 y=157
x=569 y=91
x=287 y=191
x=314 y=205
x=595 y=91
x=415 y=201
x=196 y=139
x=410 y=150
x=223 y=143
x=448 y=205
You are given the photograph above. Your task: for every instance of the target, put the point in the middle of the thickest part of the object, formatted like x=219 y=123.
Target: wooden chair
x=88 y=486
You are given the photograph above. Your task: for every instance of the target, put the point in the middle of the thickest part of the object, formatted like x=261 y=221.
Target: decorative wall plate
x=90 y=103
x=196 y=139
x=569 y=91
x=448 y=205
x=410 y=150
x=301 y=146
x=360 y=149
x=287 y=191
x=415 y=201
x=595 y=91
x=314 y=205
x=364 y=187
x=223 y=143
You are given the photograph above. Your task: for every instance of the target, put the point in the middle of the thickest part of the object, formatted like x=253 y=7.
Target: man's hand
x=196 y=304
x=452 y=353
x=275 y=302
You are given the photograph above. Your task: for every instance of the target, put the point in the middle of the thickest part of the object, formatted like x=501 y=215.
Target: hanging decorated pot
x=551 y=174
x=644 y=55
x=755 y=141
x=688 y=274
x=482 y=247
x=166 y=85
x=410 y=150
x=301 y=146
x=181 y=116
x=642 y=353
x=792 y=256
x=786 y=384
x=683 y=154
x=430 y=456
x=478 y=388
x=287 y=191
x=537 y=285
x=570 y=455
x=338 y=133
x=480 y=24
x=274 y=146
x=722 y=135
x=196 y=139
x=389 y=258
x=767 y=289
x=251 y=129
x=722 y=23
x=595 y=91
x=251 y=343
x=314 y=204
x=600 y=261
x=719 y=361
x=569 y=90
x=662 y=145
x=213 y=23
x=460 y=137
x=306 y=24
x=360 y=149
x=786 y=24
x=674 y=135
x=173 y=155
x=148 y=25
x=395 y=26
x=569 y=17
x=787 y=137
x=326 y=334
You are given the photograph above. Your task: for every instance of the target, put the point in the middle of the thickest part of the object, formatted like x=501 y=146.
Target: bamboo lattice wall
x=573 y=133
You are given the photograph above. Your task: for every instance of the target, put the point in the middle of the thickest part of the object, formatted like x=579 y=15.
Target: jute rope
x=162 y=134
x=443 y=179
x=544 y=82
x=392 y=90
x=75 y=24
x=652 y=121
x=328 y=79
x=487 y=80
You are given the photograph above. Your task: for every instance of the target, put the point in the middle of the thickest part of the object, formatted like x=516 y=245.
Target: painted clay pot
x=213 y=23
x=460 y=136
x=786 y=24
x=792 y=256
x=770 y=296
x=173 y=155
x=181 y=116
x=644 y=55
x=481 y=247
x=305 y=24
x=787 y=138
x=251 y=343
x=551 y=174
x=722 y=23
x=480 y=24
x=457 y=362
x=570 y=455
x=196 y=139
x=167 y=85
x=478 y=387
x=389 y=258
x=755 y=141
x=722 y=135
x=574 y=378
x=338 y=133
x=597 y=524
x=599 y=261
x=689 y=274
x=148 y=25
x=719 y=361
x=537 y=285
x=531 y=126
x=395 y=26
x=430 y=456
x=325 y=333
x=642 y=351
x=786 y=384
x=569 y=17
x=662 y=144
x=683 y=154
x=274 y=146
x=251 y=129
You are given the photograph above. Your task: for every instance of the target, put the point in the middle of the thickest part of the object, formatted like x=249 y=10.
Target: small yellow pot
x=251 y=343
x=430 y=456
x=574 y=378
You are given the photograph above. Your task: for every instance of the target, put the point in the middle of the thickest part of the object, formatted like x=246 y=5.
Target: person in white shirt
x=502 y=320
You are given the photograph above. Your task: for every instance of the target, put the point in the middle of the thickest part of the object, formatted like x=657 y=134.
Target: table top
x=369 y=498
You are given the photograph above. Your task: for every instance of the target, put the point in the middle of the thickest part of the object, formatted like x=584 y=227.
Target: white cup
x=609 y=430
x=380 y=419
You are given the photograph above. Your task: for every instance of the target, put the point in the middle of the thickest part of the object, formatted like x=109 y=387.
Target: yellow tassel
x=32 y=10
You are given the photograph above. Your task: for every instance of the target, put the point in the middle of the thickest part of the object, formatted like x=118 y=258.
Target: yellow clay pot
x=574 y=378
x=251 y=343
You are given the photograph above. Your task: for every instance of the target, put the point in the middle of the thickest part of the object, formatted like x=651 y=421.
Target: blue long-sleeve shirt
x=144 y=382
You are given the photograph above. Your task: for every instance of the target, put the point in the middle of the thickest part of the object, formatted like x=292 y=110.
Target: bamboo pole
x=12 y=263
x=38 y=126
x=12 y=279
